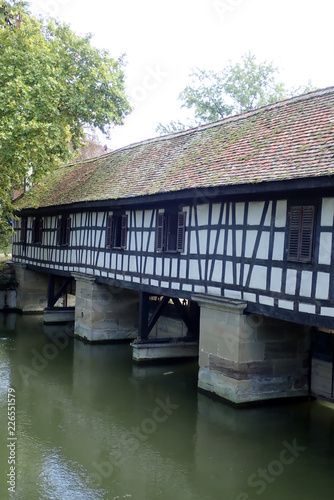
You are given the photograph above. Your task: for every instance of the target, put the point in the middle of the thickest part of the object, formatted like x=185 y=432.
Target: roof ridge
x=205 y=126
x=232 y=118
x=81 y=162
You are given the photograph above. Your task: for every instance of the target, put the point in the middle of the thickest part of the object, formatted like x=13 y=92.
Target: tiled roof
x=291 y=139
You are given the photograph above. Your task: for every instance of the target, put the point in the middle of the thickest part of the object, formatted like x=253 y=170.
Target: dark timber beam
x=157 y=313
x=195 y=318
x=52 y=296
x=189 y=315
x=183 y=313
x=146 y=324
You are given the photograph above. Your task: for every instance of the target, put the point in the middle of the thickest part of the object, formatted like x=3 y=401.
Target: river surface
x=90 y=424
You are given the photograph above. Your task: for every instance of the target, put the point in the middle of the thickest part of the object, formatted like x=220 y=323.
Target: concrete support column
x=32 y=290
x=103 y=312
x=247 y=358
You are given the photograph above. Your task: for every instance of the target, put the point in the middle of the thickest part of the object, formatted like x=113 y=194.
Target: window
x=301 y=223
x=117 y=230
x=37 y=231
x=63 y=231
x=170 y=231
x=23 y=234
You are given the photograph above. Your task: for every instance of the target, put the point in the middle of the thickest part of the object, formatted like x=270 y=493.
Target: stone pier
x=103 y=312
x=246 y=358
x=32 y=290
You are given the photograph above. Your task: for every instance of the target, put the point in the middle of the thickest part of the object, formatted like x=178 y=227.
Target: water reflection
x=7 y=322
x=93 y=425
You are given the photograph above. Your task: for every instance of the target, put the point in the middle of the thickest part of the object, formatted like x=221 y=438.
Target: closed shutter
x=59 y=231
x=294 y=232
x=109 y=231
x=40 y=231
x=124 y=231
x=301 y=233
x=68 y=231
x=37 y=231
x=181 y=228
x=306 y=240
x=160 y=232
x=33 y=232
x=23 y=237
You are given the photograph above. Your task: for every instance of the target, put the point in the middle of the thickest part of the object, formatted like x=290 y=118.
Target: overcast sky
x=164 y=40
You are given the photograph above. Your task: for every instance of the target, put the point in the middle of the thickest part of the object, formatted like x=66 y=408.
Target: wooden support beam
x=183 y=313
x=52 y=296
x=157 y=313
x=190 y=317
x=195 y=311
x=146 y=324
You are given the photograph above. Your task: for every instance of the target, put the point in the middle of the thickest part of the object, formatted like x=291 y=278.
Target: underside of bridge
x=243 y=358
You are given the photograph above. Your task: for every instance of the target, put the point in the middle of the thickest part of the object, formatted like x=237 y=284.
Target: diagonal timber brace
x=189 y=315
x=53 y=296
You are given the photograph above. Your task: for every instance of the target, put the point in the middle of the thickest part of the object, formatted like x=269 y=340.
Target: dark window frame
x=170 y=231
x=301 y=226
x=117 y=231
x=64 y=231
x=37 y=231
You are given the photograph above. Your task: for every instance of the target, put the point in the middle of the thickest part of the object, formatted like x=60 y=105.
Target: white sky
x=164 y=40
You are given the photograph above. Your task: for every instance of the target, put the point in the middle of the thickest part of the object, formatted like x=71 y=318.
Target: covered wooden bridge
x=221 y=235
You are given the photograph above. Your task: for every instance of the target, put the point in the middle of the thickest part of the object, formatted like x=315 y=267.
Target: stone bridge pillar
x=32 y=290
x=104 y=312
x=247 y=358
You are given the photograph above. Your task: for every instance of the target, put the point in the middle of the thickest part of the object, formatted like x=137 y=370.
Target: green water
x=90 y=425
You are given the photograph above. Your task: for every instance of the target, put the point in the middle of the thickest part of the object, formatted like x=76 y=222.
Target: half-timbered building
x=234 y=218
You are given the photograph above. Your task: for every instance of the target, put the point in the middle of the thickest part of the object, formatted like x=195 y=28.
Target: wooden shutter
x=124 y=231
x=68 y=230
x=59 y=231
x=33 y=231
x=160 y=232
x=23 y=236
x=301 y=233
x=109 y=231
x=37 y=231
x=181 y=229
x=306 y=237
x=294 y=232
x=40 y=231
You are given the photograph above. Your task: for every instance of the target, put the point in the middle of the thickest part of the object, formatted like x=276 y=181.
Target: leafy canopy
x=236 y=89
x=53 y=83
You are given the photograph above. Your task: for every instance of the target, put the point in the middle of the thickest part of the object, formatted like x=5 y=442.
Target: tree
x=236 y=89
x=11 y=12
x=53 y=83
x=92 y=147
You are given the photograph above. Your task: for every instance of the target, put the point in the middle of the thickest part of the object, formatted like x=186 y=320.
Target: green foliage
x=173 y=126
x=52 y=84
x=236 y=89
x=7 y=277
x=11 y=12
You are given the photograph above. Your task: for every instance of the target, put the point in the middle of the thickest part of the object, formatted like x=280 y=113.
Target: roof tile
x=286 y=140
